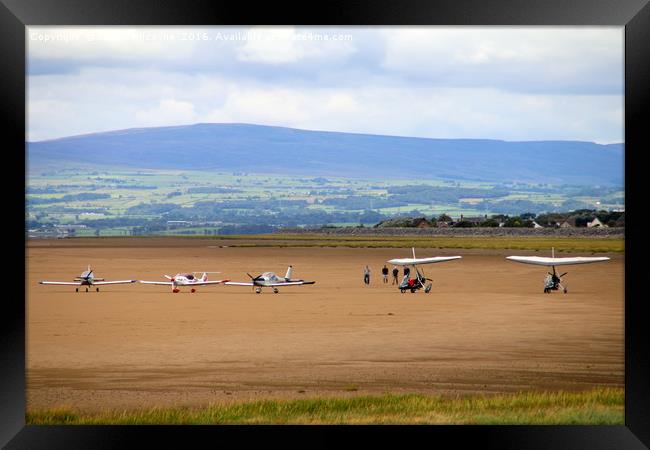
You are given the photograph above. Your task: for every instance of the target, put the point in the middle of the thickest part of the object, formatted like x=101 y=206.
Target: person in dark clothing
x=366 y=275
x=407 y=271
x=384 y=272
x=395 y=273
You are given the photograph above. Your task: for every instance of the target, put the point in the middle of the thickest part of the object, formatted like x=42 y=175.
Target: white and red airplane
x=552 y=282
x=87 y=279
x=270 y=279
x=185 y=279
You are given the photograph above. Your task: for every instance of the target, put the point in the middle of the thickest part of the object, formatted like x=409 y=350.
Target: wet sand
x=486 y=326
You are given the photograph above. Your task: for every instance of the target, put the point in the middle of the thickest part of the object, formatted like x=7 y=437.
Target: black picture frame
x=15 y=15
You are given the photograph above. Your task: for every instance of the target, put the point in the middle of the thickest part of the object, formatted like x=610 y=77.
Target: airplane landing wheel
x=76 y=289
x=175 y=291
x=412 y=291
x=258 y=291
x=192 y=290
x=565 y=290
x=428 y=288
x=86 y=289
x=402 y=290
x=97 y=289
x=275 y=291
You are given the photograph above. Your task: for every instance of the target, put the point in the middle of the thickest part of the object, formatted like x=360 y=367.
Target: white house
x=596 y=223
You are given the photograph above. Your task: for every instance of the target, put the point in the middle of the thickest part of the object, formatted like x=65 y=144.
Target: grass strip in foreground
x=602 y=406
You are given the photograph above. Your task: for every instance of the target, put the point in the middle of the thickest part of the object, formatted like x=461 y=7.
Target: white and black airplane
x=87 y=279
x=552 y=282
x=270 y=279
x=185 y=279
x=419 y=282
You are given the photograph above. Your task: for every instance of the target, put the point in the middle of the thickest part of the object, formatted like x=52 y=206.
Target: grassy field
x=123 y=189
x=538 y=243
x=604 y=406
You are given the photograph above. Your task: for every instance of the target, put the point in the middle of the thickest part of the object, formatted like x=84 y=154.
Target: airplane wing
x=416 y=261
x=286 y=283
x=67 y=283
x=546 y=261
x=163 y=283
x=101 y=283
x=203 y=283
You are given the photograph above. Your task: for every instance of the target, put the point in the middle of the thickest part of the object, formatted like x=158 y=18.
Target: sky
x=509 y=83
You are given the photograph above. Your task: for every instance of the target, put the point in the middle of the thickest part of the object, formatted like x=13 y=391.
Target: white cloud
x=271 y=45
x=499 y=83
x=167 y=112
x=282 y=45
x=525 y=59
x=115 y=42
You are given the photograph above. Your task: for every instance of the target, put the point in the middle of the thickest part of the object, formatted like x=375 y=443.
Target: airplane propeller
x=254 y=279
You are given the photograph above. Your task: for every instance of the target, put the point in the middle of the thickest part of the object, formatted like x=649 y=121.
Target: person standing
x=366 y=274
x=384 y=273
x=407 y=272
x=395 y=273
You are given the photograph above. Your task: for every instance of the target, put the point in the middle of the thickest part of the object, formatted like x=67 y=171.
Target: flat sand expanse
x=486 y=326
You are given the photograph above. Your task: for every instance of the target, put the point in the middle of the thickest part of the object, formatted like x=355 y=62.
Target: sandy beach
x=486 y=326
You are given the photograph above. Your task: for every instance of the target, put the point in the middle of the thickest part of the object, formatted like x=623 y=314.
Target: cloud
x=167 y=112
x=269 y=45
x=281 y=45
x=528 y=59
x=500 y=82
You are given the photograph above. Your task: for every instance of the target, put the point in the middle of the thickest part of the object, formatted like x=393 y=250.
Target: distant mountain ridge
x=260 y=149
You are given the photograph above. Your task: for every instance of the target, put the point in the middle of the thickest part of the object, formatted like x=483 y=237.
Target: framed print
x=354 y=214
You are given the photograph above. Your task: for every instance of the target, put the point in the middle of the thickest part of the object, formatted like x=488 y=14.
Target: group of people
x=384 y=274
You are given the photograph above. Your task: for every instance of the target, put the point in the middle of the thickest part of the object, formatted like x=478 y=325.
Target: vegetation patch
x=602 y=406
x=541 y=243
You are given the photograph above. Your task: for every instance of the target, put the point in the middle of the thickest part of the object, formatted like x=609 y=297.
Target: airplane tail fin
x=288 y=275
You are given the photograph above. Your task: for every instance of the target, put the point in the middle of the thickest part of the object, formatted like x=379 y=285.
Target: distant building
x=620 y=222
x=596 y=224
x=568 y=223
x=474 y=220
x=421 y=223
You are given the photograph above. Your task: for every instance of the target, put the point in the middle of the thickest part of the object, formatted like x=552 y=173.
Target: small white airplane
x=87 y=279
x=185 y=279
x=552 y=282
x=413 y=284
x=270 y=279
